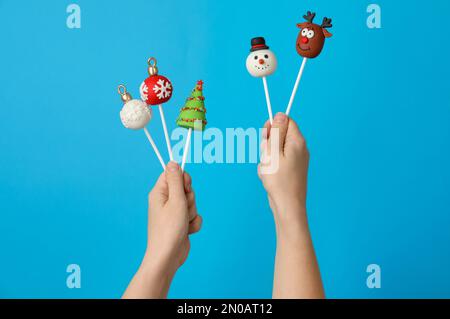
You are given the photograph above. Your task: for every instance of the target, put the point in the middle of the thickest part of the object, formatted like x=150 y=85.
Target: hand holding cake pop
x=135 y=115
x=262 y=62
x=310 y=42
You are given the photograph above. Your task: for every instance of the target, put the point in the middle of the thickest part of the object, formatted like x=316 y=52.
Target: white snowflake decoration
x=143 y=89
x=162 y=88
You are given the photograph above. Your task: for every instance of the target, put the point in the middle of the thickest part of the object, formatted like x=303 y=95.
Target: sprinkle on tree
x=192 y=114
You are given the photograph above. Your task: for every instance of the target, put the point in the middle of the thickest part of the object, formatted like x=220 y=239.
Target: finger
x=187 y=182
x=192 y=207
x=293 y=131
x=160 y=191
x=174 y=178
x=264 y=136
x=195 y=225
x=280 y=122
x=294 y=136
x=266 y=130
x=191 y=199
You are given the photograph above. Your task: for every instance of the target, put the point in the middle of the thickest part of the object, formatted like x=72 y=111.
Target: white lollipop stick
x=186 y=149
x=297 y=82
x=166 y=134
x=155 y=148
x=269 y=105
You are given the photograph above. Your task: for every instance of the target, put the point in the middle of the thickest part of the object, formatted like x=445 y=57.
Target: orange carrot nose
x=261 y=61
x=305 y=40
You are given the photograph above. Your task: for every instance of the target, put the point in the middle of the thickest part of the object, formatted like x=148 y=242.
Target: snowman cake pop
x=262 y=62
x=135 y=115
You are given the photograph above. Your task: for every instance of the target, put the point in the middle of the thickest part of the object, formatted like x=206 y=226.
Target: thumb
x=280 y=123
x=174 y=178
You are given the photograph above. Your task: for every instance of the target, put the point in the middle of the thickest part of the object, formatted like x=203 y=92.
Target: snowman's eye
x=266 y=56
x=305 y=32
x=310 y=34
x=256 y=57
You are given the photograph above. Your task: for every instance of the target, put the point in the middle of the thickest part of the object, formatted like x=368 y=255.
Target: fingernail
x=280 y=118
x=173 y=166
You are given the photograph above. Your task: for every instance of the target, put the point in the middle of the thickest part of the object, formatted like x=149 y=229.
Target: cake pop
x=156 y=90
x=135 y=115
x=192 y=116
x=260 y=63
x=311 y=38
x=310 y=42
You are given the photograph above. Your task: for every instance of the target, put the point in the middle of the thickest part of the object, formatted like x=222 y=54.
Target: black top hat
x=258 y=43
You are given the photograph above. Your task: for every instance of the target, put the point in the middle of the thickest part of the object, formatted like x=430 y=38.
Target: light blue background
x=375 y=109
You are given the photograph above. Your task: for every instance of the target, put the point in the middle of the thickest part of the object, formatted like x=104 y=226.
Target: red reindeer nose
x=305 y=40
x=261 y=61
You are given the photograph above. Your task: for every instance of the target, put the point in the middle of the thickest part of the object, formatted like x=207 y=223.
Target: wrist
x=291 y=222
x=153 y=266
x=284 y=202
x=151 y=281
x=288 y=210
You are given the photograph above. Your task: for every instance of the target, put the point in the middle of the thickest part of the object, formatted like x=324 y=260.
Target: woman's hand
x=172 y=217
x=296 y=272
x=286 y=181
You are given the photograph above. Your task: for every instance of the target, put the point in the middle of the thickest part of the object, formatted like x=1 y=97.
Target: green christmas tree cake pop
x=193 y=113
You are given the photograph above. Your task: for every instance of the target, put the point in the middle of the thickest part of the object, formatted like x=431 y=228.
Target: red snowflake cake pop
x=156 y=89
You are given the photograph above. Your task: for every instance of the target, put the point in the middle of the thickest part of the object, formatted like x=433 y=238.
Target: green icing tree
x=193 y=113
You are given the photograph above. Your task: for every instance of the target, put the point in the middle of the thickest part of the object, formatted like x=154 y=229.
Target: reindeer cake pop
x=260 y=63
x=311 y=38
x=310 y=42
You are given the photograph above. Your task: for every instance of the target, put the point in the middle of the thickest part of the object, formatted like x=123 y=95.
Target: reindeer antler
x=309 y=16
x=326 y=23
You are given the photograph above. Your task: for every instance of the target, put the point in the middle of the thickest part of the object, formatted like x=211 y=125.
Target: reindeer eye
x=305 y=32
x=310 y=34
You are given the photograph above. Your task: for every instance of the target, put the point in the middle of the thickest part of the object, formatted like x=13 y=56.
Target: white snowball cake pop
x=135 y=114
x=261 y=61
